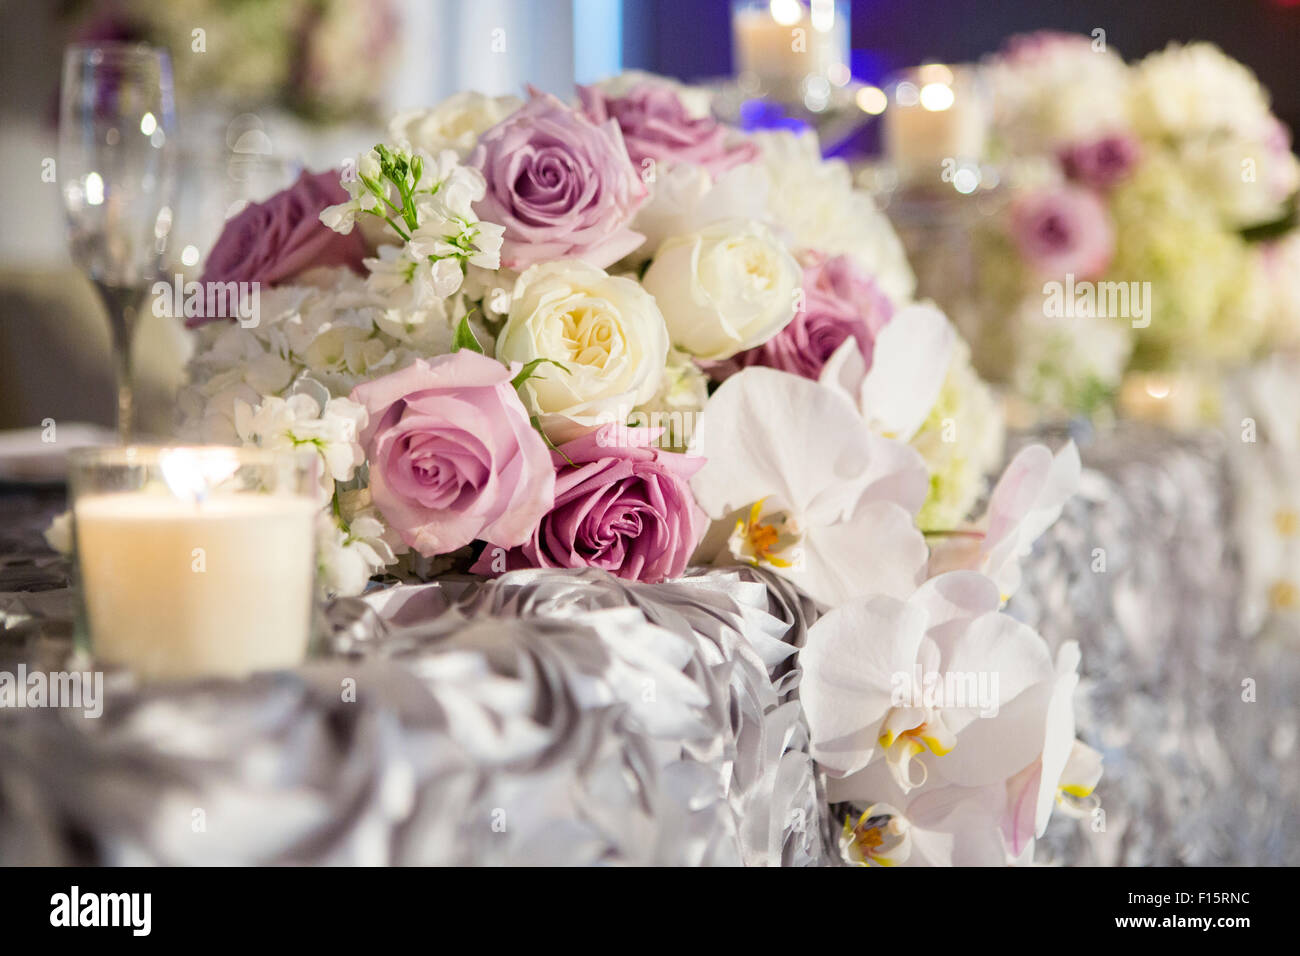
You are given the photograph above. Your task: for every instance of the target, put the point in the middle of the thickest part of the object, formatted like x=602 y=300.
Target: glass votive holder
x=791 y=51
x=195 y=561
x=936 y=125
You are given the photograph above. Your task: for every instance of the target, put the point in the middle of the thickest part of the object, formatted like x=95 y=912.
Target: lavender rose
x=840 y=302
x=452 y=454
x=273 y=241
x=1063 y=230
x=621 y=506
x=657 y=127
x=1102 y=162
x=561 y=185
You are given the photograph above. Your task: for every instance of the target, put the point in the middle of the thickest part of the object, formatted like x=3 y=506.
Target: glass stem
x=123 y=305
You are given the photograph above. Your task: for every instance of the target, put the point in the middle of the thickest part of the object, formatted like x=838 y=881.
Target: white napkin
x=29 y=457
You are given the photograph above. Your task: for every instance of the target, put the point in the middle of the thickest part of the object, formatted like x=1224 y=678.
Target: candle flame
x=190 y=473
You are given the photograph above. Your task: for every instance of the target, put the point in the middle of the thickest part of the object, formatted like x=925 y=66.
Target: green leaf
x=537 y=424
x=464 y=338
x=530 y=370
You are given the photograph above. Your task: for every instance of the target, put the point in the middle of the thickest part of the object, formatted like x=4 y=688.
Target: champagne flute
x=117 y=169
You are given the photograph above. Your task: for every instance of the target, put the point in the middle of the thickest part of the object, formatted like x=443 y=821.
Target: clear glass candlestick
x=117 y=171
x=195 y=561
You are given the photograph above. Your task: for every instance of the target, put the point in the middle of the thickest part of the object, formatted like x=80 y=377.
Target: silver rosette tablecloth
x=541 y=718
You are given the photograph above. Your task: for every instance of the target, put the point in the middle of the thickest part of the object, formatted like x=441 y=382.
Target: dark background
x=691 y=38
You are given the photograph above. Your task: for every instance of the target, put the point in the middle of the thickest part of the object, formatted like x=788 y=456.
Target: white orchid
x=942 y=826
x=795 y=481
x=1025 y=502
x=1065 y=774
x=886 y=680
x=909 y=363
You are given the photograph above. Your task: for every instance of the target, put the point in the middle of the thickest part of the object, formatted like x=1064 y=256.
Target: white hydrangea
x=1066 y=89
x=814 y=202
x=1197 y=90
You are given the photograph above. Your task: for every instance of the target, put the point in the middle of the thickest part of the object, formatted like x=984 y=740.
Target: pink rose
x=1065 y=230
x=562 y=186
x=626 y=508
x=840 y=302
x=452 y=454
x=274 y=241
x=1102 y=162
x=657 y=127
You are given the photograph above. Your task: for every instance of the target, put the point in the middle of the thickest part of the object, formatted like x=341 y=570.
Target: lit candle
x=935 y=120
x=781 y=44
x=190 y=576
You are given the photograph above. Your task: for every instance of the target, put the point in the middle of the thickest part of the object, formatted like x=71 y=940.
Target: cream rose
x=725 y=288
x=455 y=123
x=605 y=330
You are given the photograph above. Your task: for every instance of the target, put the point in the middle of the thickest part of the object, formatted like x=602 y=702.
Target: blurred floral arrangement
x=326 y=60
x=1149 y=240
x=620 y=334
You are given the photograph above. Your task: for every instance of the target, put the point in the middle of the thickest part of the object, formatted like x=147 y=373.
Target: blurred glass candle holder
x=793 y=51
x=195 y=561
x=936 y=122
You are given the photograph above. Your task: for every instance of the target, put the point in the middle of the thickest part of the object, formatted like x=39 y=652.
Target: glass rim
x=118 y=49
x=146 y=454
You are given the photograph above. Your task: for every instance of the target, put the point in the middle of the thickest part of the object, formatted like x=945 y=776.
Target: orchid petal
x=908 y=367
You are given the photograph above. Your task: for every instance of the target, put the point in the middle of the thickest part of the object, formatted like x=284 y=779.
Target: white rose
x=605 y=330
x=725 y=288
x=456 y=123
x=685 y=197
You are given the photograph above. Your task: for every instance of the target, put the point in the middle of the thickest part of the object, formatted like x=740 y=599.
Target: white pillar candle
x=178 y=588
x=781 y=44
x=936 y=115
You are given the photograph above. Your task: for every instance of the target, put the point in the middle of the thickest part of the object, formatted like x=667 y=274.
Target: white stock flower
x=456 y=123
x=605 y=330
x=728 y=287
x=813 y=200
x=346 y=559
x=300 y=420
x=796 y=482
x=343 y=216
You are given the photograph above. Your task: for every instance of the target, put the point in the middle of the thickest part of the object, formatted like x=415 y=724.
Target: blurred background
x=265 y=88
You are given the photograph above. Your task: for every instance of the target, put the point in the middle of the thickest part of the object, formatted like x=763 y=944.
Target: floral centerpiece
x=1143 y=247
x=618 y=334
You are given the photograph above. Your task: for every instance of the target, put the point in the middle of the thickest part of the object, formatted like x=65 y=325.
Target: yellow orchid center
x=879 y=838
x=1287 y=522
x=771 y=538
x=1284 y=595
